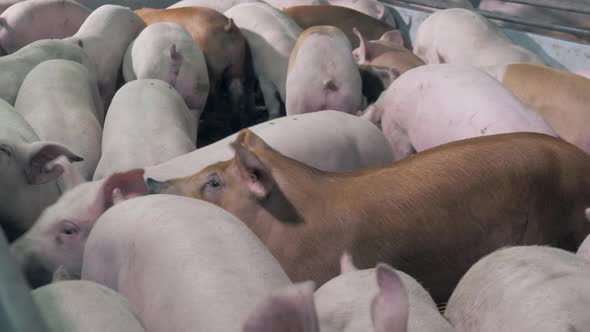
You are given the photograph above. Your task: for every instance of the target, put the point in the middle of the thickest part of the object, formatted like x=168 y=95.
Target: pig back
x=343 y=18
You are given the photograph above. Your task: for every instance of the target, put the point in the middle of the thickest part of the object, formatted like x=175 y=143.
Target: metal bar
x=18 y=312
x=574 y=6
x=414 y=4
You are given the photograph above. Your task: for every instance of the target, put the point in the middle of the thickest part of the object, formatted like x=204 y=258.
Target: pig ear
x=253 y=171
x=120 y=187
x=250 y=140
x=36 y=157
x=364 y=48
x=346 y=263
x=290 y=309
x=70 y=174
x=389 y=309
x=394 y=37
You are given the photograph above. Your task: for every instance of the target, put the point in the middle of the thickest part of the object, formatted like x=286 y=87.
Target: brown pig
x=439 y=210
x=343 y=18
x=561 y=97
x=224 y=48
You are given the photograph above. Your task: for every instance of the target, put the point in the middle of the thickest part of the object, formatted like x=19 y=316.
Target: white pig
x=57 y=238
x=530 y=288
x=167 y=51
x=436 y=104
x=344 y=303
x=28 y=184
x=584 y=249
x=461 y=36
x=322 y=73
x=60 y=100
x=218 y=5
x=32 y=20
x=105 y=36
x=15 y=67
x=147 y=123
x=206 y=276
x=271 y=36
x=328 y=140
x=84 y=306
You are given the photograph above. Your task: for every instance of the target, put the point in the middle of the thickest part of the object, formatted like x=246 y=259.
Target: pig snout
x=155 y=186
x=36 y=273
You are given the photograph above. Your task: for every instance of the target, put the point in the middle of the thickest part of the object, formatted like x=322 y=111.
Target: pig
x=33 y=20
x=382 y=61
x=525 y=288
x=218 y=5
x=307 y=217
x=559 y=96
x=147 y=123
x=105 y=36
x=342 y=18
x=61 y=102
x=584 y=249
x=15 y=67
x=436 y=104
x=224 y=48
x=84 y=306
x=344 y=304
x=347 y=143
x=57 y=239
x=205 y=277
x=322 y=73
x=166 y=51
x=461 y=36
x=374 y=8
x=28 y=184
x=271 y=37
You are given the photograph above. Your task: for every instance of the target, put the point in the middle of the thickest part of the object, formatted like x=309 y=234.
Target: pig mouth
x=36 y=273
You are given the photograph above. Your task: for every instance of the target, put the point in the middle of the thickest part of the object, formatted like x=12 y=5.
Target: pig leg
x=269 y=91
x=239 y=116
x=399 y=140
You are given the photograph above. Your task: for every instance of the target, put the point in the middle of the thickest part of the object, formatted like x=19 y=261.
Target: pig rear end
x=322 y=73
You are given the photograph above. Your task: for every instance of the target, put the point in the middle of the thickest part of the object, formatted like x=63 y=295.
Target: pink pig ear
x=120 y=187
x=394 y=37
x=364 y=48
x=36 y=157
x=70 y=174
x=289 y=310
x=389 y=309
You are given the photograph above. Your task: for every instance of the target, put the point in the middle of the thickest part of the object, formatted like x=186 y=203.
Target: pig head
x=57 y=239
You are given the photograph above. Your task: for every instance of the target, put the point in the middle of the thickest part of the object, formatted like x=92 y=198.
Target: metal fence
x=564 y=19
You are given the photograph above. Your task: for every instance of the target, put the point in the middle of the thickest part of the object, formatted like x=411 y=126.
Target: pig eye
x=69 y=230
x=214 y=182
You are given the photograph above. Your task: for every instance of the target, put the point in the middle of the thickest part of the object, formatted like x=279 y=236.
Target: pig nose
x=154 y=186
x=35 y=273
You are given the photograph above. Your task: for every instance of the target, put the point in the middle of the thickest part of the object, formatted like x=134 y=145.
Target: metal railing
x=570 y=32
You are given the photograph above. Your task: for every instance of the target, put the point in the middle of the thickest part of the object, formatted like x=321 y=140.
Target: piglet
x=347 y=303
x=322 y=73
x=32 y=20
x=84 y=306
x=105 y=36
x=61 y=102
x=57 y=238
x=183 y=264
x=166 y=51
x=526 y=288
x=147 y=123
